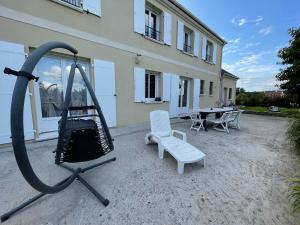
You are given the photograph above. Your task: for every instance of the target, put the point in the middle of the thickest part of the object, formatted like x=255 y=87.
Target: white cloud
x=234 y=41
x=242 y=22
x=258 y=83
x=239 y=22
x=265 y=31
x=256 y=74
x=249 y=45
x=258 y=20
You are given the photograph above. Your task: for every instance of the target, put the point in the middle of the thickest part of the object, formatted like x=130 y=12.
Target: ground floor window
x=211 y=88
x=230 y=94
x=202 y=87
x=151 y=84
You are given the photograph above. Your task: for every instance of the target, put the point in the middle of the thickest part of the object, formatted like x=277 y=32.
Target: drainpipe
x=221 y=82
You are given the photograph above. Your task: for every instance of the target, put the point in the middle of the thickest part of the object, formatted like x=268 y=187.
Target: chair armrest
x=181 y=133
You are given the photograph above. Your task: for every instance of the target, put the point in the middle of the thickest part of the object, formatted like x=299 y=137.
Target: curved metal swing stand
x=17 y=129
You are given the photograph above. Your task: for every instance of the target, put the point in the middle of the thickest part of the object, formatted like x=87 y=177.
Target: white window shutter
x=180 y=30
x=196 y=96
x=174 y=109
x=92 y=6
x=167 y=28
x=215 y=56
x=139 y=84
x=105 y=89
x=204 y=43
x=12 y=56
x=166 y=87
x=196 y=43
x=139 y=16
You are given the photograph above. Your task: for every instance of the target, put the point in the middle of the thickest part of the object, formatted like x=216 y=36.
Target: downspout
x=221 y=82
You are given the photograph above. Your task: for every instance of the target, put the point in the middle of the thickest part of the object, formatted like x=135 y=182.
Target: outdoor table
x=206 y=111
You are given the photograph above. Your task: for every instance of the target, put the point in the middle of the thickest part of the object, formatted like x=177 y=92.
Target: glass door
x=53 y=72
x=183 y=100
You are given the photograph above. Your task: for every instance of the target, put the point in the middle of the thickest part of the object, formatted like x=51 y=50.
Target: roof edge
x=230 y=75
x=197 y=20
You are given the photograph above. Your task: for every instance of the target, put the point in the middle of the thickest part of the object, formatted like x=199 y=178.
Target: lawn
x=290 y=111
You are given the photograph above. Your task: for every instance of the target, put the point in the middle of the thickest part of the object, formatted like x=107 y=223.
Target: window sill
x=153 y=102
x=90 y=13
x=68 y=5
x=209 y=62
x=211 y=95
x=187 y=53
x=154 y=40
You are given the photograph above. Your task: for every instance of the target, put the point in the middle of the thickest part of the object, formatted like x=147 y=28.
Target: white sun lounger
x=162 y=134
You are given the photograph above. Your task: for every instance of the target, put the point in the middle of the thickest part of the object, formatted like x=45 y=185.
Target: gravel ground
x=245 y=181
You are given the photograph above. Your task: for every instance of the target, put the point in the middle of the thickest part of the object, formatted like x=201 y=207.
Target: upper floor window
x=152 y=22
x=209 y=51
x=187 y=44
x=202 y=87
x=187 y=39
x=90 y=6
x=211 y=88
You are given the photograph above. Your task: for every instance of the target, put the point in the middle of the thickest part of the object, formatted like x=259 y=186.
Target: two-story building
x=140 y=55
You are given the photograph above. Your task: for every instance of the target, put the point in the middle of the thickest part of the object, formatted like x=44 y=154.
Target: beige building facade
x=140 y=55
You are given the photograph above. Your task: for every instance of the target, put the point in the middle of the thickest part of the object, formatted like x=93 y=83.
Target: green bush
x=250 y=98
x=294 y=136
x=295 y=194
x=261 y=99
x=294 y=133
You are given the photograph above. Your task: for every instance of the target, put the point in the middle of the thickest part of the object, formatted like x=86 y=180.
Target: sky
x=255 y=31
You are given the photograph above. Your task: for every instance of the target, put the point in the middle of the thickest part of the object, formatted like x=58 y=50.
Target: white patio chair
x=221 y=122
x=197 y=122
x=234 y=119
x=162 y=134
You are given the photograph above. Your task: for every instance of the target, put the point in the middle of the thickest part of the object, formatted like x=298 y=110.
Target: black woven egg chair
x=80 y=138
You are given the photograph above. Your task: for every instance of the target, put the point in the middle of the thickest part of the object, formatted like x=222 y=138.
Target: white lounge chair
x=162 y=134
x=222 y=122
x=197 y=122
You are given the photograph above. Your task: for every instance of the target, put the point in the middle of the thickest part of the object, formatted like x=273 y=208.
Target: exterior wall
x=111 y=37
x=230 y=83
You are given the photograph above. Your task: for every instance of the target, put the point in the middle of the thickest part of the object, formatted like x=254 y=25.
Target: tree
x=240 y=90
x=290 y=75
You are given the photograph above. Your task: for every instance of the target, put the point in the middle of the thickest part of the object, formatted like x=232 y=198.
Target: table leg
x=203 y=117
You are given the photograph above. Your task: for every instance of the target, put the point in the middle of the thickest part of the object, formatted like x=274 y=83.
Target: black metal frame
x=76 y=3
x=187 y=48
x=17 y=129
x=152 y=33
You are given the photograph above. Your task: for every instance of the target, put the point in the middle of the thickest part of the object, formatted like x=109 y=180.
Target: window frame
x=158 y=26
x=188 y=45
x=209 y=52
x=147 y=81
x=64 y=60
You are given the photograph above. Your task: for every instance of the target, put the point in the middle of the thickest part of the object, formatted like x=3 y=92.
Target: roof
x=230 y=75
x=197 y=20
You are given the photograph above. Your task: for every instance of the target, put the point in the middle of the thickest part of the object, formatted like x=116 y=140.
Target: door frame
x=185 y=109
x=175 y=110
